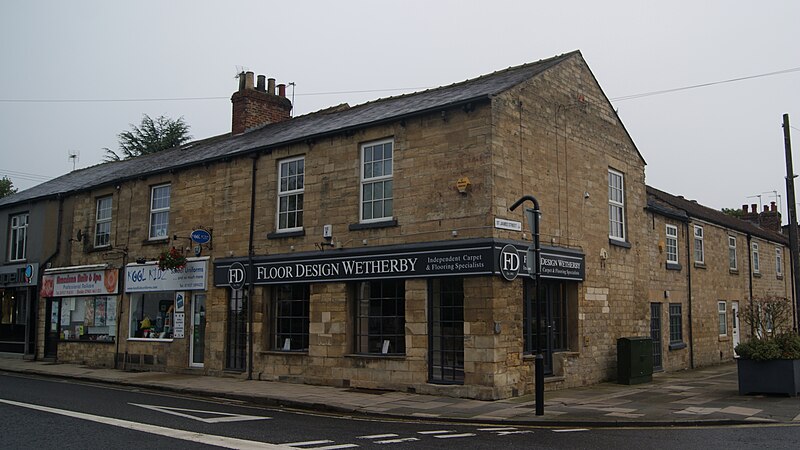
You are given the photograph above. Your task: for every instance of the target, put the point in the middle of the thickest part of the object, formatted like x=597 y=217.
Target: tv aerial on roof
x=74 y=156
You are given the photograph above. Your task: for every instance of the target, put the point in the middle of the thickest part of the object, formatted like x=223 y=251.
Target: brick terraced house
x=373 y=246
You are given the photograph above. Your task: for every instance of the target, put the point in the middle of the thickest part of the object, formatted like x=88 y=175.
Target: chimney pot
x=271 y=86
x=248 y=80
x=261 y=85
x=773 y=207
x=282 y=90
x=753 y=208
x=241 y=81
x=744 y=209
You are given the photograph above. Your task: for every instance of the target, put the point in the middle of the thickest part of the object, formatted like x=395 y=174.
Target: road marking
x=221 y=416
x=378 y=436
x=506 y=433
x=335 y=447
x=303 y=444
x=572 y=430
x=202 y=438
x=396 y=441
x=497 y=429
x=435 y=432
x=448 y=436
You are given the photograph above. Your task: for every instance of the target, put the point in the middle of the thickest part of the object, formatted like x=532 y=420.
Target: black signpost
x=534 y=269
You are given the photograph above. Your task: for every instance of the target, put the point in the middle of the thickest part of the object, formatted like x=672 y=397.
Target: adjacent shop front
x=165 y=307
x=418 y=295
x=81 y=309
x=18 y=308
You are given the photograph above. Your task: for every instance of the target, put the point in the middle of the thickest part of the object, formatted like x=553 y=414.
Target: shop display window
x=88 y=319
x=152 y=315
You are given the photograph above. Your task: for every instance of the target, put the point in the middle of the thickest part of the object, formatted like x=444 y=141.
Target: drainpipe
x=750 y=278
x=59 y=227
x=250 y=287
x=689 y=296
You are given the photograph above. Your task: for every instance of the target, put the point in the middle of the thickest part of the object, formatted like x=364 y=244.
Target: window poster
x=65 y=314
x=89 y=320
x=100 y=312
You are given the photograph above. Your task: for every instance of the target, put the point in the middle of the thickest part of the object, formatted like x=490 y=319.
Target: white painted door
x=735 y=332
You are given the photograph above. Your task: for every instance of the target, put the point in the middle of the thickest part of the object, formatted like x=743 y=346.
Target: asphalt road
x=44 y=413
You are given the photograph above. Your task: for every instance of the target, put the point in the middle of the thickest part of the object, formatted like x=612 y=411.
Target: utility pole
x=793 y=249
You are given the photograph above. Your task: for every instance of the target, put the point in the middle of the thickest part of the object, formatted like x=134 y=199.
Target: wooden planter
x=780 y=376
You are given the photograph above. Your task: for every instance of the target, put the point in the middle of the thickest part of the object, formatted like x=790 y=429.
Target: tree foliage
x=151 y=136
x=735 y=212
x=6 y=187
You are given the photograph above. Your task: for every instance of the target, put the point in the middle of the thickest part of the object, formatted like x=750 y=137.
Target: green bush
x=781 y=346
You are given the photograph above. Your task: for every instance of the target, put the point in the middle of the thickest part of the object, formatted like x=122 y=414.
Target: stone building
x=373 y=246
x=706 y=265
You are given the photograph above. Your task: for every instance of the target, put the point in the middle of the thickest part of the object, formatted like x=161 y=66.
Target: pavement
x=705 y=396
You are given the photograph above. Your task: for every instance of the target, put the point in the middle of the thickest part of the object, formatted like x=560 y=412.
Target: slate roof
x=667 y=204
x=301 y=128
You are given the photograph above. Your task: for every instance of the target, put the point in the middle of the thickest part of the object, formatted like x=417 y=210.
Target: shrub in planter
x=769 y=362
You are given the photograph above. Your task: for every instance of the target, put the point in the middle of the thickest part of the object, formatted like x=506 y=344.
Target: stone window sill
x=677 y=345
x=674 y=266
x=286 y=234
x=373 y=225
x=618 y=243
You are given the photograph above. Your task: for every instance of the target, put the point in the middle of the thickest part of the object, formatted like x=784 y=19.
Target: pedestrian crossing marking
x=435 y=432
x=448 y=436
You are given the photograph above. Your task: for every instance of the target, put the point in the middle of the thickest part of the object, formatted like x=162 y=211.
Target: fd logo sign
x=236 y=276
x=509 y=262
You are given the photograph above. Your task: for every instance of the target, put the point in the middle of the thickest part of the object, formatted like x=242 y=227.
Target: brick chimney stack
x=257 y=105
x=771 y=219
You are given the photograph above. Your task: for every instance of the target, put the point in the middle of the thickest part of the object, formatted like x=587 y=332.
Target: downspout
x=689 y=296
x=250 y=287
x=121 y=291
x=750 y=278
x=59 y=227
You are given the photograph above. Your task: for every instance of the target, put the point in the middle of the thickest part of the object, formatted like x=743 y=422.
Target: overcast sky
x=73 y=74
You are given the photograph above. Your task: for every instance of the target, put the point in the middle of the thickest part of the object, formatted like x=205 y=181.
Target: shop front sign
x=398 y=263
x=74 y=283
x=19 y=275
x=149 y=278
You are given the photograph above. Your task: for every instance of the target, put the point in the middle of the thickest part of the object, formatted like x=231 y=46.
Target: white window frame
x=699 y=245
x=671 y=236
x=616 y=205
x=158 y=211
x=722 y=314
x=733 y=260
x=374 y=180
x=18 y=234
x=101 y=219
x=756 y=261
x=298 y=193
x=778 y=261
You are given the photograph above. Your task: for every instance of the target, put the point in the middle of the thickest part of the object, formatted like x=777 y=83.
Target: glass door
x=446 y=331
x=735 y=330
x=53 y=328
x=198 y=338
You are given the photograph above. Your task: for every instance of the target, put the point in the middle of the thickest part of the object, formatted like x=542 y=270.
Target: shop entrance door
x=446 y=331
x=53 y=328
x=553 y=316
x=735 y=331
x=198 y=338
